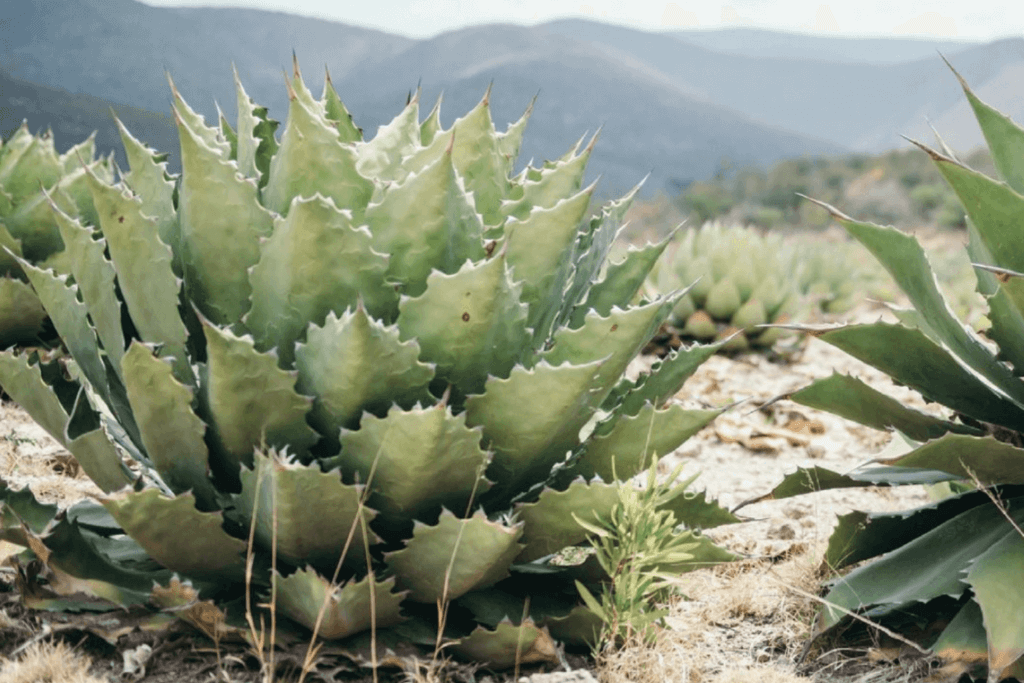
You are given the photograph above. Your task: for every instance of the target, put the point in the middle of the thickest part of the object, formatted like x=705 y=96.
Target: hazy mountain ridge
x=752 y=42
x=647 y=122
x=73 y=117
x=666 y=105
x=865 y=106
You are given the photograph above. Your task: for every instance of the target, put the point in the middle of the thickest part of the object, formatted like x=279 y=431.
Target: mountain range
x=673 y=104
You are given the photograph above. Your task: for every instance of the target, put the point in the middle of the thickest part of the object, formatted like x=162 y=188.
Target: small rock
x=782 y=532
x=795 y=512
x=815 y=451
x=135 y=662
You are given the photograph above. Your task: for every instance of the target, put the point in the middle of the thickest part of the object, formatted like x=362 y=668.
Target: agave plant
x=946 y=574
x=32 y=175
x=836 y=276
x=388 y=368
x=740 y=280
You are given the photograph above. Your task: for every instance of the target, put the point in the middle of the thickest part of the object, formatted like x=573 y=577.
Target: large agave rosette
x=396 y=365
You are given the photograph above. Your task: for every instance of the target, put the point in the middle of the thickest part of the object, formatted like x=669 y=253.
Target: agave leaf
x=508 y=645
x=621 y=282
x=994 y=578
x=252 y=402
x=925 y=568
x=113 y=568
x=315 y=262
x=511 y=140
x=993 y=207
x=624 y=444
x=28 y=514
x=6 y=206
x=477 y=157
x=850 y=398
x=537 y=248
x=664 y=380
x=229 y=135
x=590 y=254
x=471 y=324
x=1005 y=139
x=454 y=557
x=64 y=410
x=928 y=368
x=549 y=523
x=967 y=457
x=312 y=159
x=32 y=222
x=426 y=222
x=148 y=179
x=211 y=137
x=246 y=141
x=177 y=535
x=21 y=313
x=32 y=165
x=382 y=156
x=532 y=419
x=354 y=364
x=507 y=601
x=71 y=319
x=581 y=626
x=906 y=262
x=564 y=178
x=170 y=431
x=979 y=253
x=813 y=479
x=338 y=114
x=258 y=129
x=221 y=225
x=52 y=407
x=694 y=509
x=95 y=277
x=859 y=536
x=93 y=450
x=10 y=247
x=301 y=92
x=963 y=640
x=1006 y=311
x=617 y=337
x=351 y=608
x=13 y=148
x=313 y=510
x=415 y=461
x=143 y=264
x=431 y=126
x=84 y=151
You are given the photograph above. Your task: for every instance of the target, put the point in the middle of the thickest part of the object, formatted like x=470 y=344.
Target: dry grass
x=47 y=663
x=736 y=622
x=747 y=622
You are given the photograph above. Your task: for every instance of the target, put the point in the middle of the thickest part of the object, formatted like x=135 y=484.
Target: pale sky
x=979 y=20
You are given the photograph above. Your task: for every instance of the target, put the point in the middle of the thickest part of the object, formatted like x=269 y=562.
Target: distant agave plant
x=740 y=280
x=32 y=175
x=836 y=276
x=388 y=354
